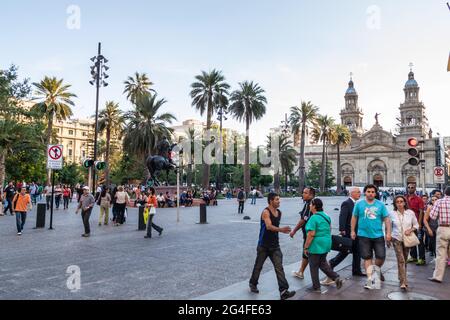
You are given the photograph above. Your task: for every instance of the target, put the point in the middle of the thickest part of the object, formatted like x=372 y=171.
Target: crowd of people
x=366 y=230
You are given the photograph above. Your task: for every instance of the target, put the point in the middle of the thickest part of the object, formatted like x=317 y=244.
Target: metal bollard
x=40 y=215
x=142 y=225
x=203 y=218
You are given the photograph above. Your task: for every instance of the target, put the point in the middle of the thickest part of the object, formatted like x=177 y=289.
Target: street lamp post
x=221 y=118
x=98 y=79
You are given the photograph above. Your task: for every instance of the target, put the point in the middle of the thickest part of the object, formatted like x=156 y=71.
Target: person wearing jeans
x=269 y=247
x=86 y=204
x=152 y=204
x=318 y=245
x=21 y=202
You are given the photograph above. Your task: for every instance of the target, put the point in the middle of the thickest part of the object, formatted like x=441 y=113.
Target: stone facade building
x=378 y=156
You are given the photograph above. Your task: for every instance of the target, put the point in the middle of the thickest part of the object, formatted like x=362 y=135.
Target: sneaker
x=19 y=233
x=147 y=237
x=299 y=275
x=99 y=224
x=421 y=262
x=312 y=290
x=287 y=294
x=327 y=282
x=339 y=283
x=253 y=288
x=434 y=280
x=368 y=284
x=411 y=260
x=86 y=235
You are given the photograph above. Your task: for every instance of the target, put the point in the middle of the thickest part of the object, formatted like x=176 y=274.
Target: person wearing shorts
x=370 y=214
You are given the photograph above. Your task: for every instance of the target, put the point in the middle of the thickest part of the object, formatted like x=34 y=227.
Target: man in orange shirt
x=21 y=203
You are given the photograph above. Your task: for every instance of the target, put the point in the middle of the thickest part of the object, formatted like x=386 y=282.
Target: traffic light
x=87 y=163
x=413 y=152
x=100 y=165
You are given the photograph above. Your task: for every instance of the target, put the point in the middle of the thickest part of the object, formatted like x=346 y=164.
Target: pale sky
x=296 y=50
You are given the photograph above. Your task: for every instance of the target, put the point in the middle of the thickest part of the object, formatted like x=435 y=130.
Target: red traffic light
x=413 y=142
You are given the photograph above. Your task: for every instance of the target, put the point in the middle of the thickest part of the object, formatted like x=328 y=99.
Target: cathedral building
x=378 y=156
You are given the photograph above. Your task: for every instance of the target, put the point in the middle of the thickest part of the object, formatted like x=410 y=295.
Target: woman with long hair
x=152 y=204
x=404 y=223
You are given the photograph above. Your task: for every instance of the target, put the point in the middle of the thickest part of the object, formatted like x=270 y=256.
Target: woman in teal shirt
x=318 y=244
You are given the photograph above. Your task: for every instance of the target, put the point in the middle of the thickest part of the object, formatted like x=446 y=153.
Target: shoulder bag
x=410 y=241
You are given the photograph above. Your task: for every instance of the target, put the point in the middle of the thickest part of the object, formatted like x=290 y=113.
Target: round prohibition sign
x=55 y=153
x=439 y=172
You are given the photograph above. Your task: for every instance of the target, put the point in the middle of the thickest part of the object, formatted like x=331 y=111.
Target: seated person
x=189 y=199
x=168 y=200
x=206 y=198
x=161 y=200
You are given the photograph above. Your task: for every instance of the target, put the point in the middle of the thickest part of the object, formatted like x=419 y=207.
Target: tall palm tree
x=288 y=156
x=146 y=126
x=301 y=119
x=112 y=121
x=322 y=132
x=56 y=102
x=137 y=86
x=276 y=175
x=195 y=140
x=340 y=136
x=209 y=91
x=248 y=104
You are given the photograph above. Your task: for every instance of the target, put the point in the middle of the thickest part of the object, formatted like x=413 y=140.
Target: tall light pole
x=98 y=79
x=221 y=117
x=285 y=130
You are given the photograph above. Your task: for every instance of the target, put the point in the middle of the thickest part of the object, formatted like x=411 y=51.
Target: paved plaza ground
x=189 y=261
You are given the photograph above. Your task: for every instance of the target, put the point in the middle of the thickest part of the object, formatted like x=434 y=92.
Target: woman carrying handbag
x=404 y=223
x=152 y=204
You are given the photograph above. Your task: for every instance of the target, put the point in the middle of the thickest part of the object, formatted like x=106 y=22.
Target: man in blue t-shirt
x=369 y=214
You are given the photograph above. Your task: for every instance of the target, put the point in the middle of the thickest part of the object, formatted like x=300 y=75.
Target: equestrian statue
x=160 y=162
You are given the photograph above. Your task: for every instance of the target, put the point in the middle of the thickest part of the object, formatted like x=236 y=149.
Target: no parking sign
x=439 y=175
x=55 y=157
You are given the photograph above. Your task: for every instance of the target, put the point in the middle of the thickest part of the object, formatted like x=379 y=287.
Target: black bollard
x=203 y=219
x=40 y=215
x=142 y=225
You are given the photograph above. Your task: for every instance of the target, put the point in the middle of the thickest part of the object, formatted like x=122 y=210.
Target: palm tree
x=301 y=119
x=145 y=126
x=248 y=104
x=195 y=140
x=56 y=101
x=137 y=86
x=340 y=136
x=276 y=175
x=322 y=132
x=208 y=93
x=112 y=121
x=288 y=157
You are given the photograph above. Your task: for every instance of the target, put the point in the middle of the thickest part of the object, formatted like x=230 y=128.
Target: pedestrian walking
x=254 y=195
x=9 y=193
x=431 y=226
x=87 y=202
x=21 y=204
x=345 y=229
x=33 y=190
x=308 y=194
x=241 y=201
x=370 y=214
x=48 y=195
x=152 y=204
x=269 y=247
x=122 y=200
x=441 y=212
x=318 y=245
x=404 y=224
x=105 y=204
x=416 y=204
x=67 y=194
x=58 y=195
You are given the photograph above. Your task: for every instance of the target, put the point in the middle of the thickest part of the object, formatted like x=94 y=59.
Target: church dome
x=411 y=81
x=351 y=88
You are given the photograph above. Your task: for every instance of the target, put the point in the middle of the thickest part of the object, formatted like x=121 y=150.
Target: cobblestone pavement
x=189 y=260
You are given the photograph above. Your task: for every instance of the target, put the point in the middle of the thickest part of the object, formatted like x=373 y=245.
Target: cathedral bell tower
x=413 y=121
x=352 y=115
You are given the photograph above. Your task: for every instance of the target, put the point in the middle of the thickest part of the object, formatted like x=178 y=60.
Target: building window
x=70 y=143
x=70 y=153
x=83 y=154
x=71 y=132
x=84 y=133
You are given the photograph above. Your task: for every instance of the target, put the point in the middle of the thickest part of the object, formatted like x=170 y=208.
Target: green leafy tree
x=314 y=174
x=248 y=104
x=111 y=121
x=340 y=136
x=146 y=125
x=301 y=119
x=138 y=86
x=71 y=174
x=209 y=91
x=322 y=133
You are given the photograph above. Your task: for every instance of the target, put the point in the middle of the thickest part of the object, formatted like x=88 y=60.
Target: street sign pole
x=53 y=197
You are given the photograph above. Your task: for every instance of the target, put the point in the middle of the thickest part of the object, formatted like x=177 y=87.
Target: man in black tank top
x=269 y=247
